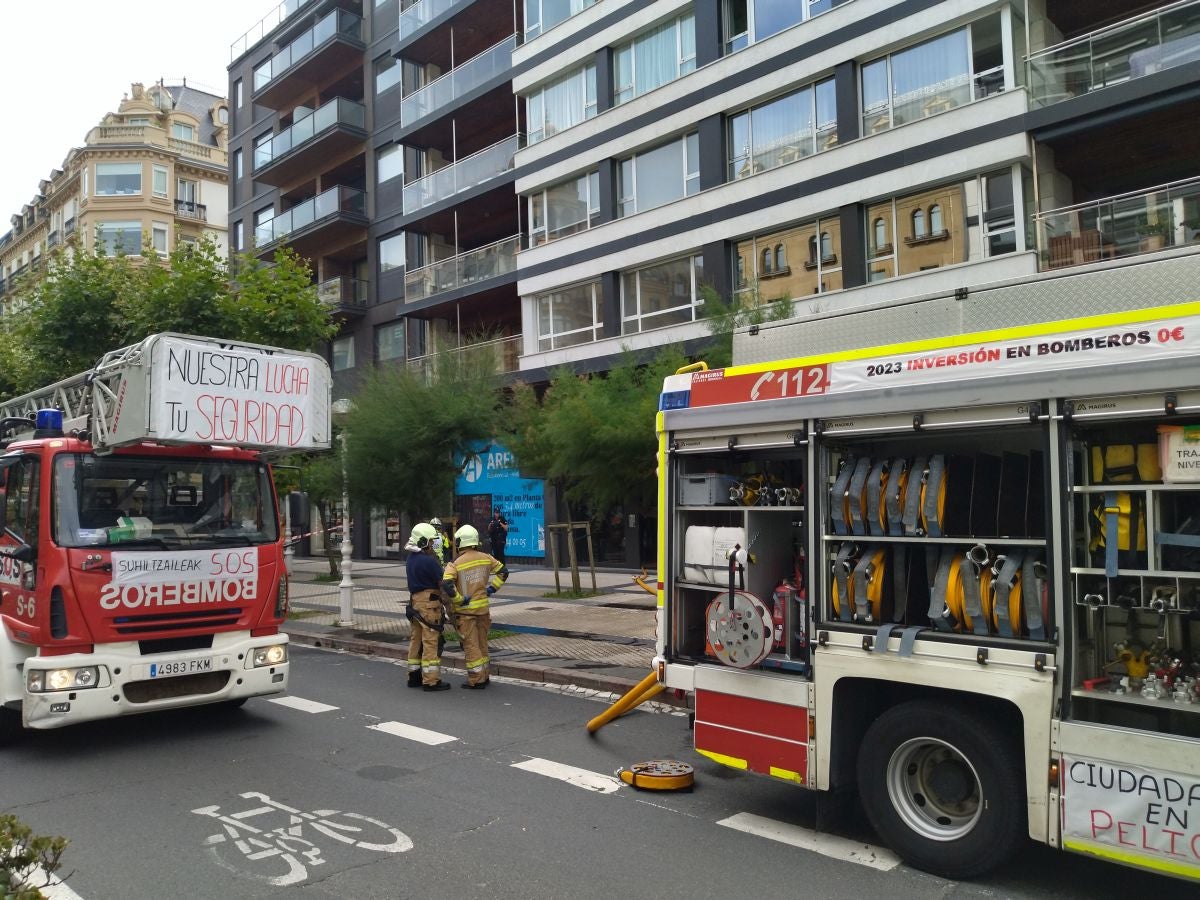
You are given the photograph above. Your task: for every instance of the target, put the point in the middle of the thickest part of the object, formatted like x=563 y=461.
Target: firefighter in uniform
x=444 y=553
x=469 y=581
x=424 y=609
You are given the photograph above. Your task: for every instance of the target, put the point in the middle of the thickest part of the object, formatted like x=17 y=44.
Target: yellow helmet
x=422 y=536
x=467 y=536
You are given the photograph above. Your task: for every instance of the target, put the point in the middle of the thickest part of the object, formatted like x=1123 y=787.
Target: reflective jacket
x=467 y=579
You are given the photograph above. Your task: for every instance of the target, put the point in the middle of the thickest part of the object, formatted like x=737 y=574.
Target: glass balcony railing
x=265 y=26
x=505 y=354
x=1121 y=226
x=494 y=61
x=463 y=270
x=338 y=111
x=422 y=13
x=1143 y=45
x=468 y=172
x=323 y=206
x=343 y=291
x=338 y=22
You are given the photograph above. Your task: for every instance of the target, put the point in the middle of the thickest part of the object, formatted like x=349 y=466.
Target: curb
x=523 y=671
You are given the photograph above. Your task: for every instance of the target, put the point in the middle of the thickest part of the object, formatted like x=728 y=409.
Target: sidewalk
x=605 y=642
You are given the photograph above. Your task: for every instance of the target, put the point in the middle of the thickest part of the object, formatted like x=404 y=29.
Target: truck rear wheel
x=944 y=787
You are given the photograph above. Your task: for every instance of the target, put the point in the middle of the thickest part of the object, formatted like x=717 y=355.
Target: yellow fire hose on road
x=645 y=689
x=640 y=581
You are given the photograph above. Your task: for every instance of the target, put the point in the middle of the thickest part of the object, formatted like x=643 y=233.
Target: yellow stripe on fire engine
x=787 y=775
x=732 y=761
x=1105 y=320
x=1166 y=866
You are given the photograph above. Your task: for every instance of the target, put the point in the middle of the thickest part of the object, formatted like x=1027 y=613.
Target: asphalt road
x=393 y=793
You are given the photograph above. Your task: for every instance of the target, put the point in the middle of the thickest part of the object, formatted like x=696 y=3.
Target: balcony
x=344 y=295
x=324 y=219
x=53 y=239
x=422 y=13
x=195 y=150
x=1125 y=225
x=190 y=209
x=489 y=64
x=321 y=135
x=505 y=353
x=464 y=270
x=3 y=286
x=1143 y=45
x=470 y=171
x=329 y=45
x=69 y=227
x=265 y=26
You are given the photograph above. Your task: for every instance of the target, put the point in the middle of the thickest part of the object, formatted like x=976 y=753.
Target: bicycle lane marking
x=582 y=778
x=413 y=733
x=308 y=706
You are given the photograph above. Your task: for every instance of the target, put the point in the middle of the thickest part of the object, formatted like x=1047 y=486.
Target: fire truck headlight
x=39 y=680
x=270 y=656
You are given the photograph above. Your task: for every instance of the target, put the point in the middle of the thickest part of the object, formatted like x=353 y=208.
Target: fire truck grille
x=183 y=686
x=175 y=621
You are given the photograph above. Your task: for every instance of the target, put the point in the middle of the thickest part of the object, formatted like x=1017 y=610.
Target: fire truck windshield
x=161 y=503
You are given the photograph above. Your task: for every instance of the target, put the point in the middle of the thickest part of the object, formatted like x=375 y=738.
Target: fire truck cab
x=960 y=574
x=141 y=558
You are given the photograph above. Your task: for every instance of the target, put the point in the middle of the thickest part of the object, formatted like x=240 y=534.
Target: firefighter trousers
x=423 y=655
x=474 y=627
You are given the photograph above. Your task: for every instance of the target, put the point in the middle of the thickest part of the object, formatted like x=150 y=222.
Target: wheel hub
x=934 y=789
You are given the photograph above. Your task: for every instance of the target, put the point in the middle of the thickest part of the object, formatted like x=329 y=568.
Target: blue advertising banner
x=488 y=477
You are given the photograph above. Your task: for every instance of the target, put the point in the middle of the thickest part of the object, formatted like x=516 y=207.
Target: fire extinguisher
x=780 y=596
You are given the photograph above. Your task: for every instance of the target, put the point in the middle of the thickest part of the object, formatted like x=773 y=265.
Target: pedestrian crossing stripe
x=591 y=781
x=414 y=733
x=308 y=706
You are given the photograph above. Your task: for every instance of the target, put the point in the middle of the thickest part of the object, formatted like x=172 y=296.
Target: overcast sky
x=68 y=62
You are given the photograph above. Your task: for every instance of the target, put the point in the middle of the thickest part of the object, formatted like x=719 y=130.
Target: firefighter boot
x=414 y=678
x=437 y=686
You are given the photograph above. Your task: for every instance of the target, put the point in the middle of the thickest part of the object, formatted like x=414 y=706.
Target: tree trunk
x=332 y=553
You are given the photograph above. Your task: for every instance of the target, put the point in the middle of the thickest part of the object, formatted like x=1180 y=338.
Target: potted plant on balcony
x=1154 y=233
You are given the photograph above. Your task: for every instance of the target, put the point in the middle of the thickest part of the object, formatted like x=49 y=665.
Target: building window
x=113 y=238
x=660 y=295
x=343 y=353
x=389 y=341
x=568 y=316
x=188 y=192
x=763 y=271
x=999 y=213
x=263 y=232
x=158 y=238
x=932 y=77
x=918 y=222
x=661 y=175
x=137 y=120
x=654 y=58
x=238 y=170
x=542 y=15
x=935 y=219
x=239 y=237
x=564 y=209
x=391 y=252
x=238 y=97
x=160 y=181
x=943 y=243
x=562 y=103
x=387 y=73
x=783 y=130
x=183 y=131
x=389 y=162
x=746 y=21
x=114 y=179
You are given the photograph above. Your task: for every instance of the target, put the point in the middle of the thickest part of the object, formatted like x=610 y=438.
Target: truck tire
x=944 y=787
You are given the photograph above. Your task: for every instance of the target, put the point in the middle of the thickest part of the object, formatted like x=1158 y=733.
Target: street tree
x=722 y=316
x=320 y=477
x=408 y=427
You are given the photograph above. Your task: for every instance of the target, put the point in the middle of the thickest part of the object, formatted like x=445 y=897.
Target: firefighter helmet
x=467 y=536
x=435 y=522
x=422 y=536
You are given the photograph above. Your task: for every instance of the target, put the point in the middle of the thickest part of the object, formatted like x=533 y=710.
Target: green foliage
x=319 y=476
x=594 y=434
x=407 y=427
x=21 y=852
x=723 y=317
x=88 y=304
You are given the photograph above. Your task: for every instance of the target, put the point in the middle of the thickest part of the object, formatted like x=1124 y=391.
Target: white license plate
x=180 y=667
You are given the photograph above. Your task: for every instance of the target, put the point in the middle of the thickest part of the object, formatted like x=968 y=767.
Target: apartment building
x=845 y=153
x=155 y=170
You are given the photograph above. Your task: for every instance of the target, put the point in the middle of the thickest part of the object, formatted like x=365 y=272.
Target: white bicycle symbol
x=282 y=855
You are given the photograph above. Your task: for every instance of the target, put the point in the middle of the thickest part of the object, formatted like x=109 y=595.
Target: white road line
x=308 y=706
x=825 y=844
x=413 y=733
x=591 y=781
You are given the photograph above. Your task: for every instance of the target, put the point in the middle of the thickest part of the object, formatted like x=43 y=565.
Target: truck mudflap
x=119 y=680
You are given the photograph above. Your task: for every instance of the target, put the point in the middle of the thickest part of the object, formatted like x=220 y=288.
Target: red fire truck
x=960 y=574
x=141 y=560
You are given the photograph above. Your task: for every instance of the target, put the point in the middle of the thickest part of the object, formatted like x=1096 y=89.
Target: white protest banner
x=1131 y=813
x=229 y=564
x=209 y=394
